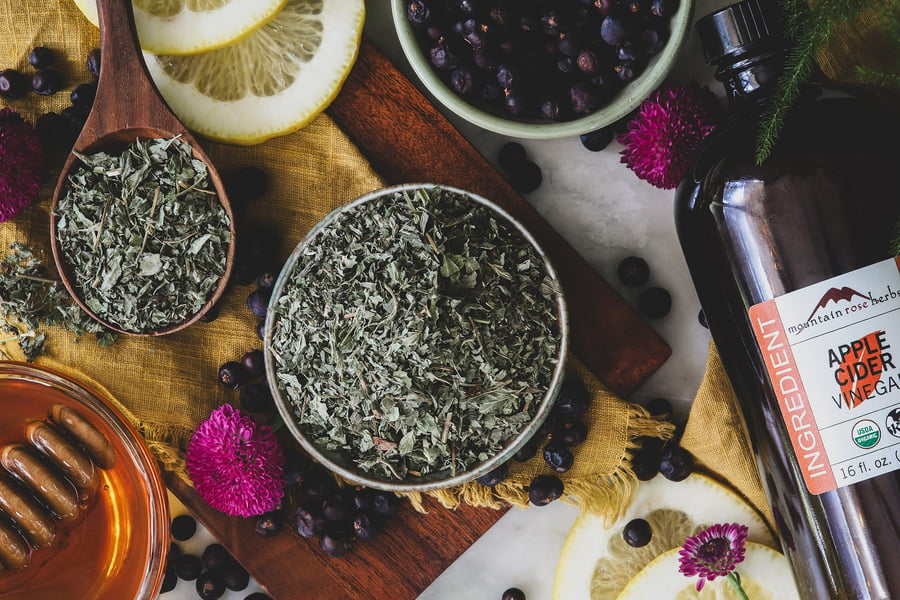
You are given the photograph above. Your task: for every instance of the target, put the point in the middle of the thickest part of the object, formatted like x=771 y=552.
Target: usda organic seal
x=866 y=433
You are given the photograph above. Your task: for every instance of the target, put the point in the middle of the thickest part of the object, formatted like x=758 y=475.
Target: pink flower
x=21 y=164
x=236 y=464
x=713 y=552
x=666 y=135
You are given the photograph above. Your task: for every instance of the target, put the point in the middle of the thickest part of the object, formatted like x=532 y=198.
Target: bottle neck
x=750 y=81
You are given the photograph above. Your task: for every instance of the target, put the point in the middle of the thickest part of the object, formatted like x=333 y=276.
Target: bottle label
x=832 y=351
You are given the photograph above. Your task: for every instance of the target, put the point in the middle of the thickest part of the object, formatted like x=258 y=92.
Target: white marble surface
x=605 y=213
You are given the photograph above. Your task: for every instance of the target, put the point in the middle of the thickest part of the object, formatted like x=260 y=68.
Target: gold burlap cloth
x=168 y=385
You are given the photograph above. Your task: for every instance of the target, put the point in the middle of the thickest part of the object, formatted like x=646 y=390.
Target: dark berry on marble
x=215 y=556
x=701 y=318
x=183 y=527
x=655 y=302
x=513 y=593
x=235 y=576
x=188 y=567
x=170 y=579
x=597 y=140
x=633 y=271
x=526 y=177
x=511 y=155
x=211 y=585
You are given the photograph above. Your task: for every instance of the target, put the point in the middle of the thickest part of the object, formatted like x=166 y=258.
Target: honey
x=104 y=552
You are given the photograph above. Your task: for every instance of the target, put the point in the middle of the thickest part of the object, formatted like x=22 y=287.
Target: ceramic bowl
x=342 y=464
x=115 y=547
x=619 y=106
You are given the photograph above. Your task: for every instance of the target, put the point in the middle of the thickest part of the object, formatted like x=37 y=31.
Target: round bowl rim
x=138 y=453
x=622 y=104
x=356 y=476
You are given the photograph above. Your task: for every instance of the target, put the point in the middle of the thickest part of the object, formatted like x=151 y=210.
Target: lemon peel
x=273 y=82
x=765 y=575
x=597 y=564
x=193 y=26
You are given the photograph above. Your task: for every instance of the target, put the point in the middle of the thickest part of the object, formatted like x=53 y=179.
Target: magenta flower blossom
x=21 y=164
x=667 y=133
x=714 y=552
x=236 y=464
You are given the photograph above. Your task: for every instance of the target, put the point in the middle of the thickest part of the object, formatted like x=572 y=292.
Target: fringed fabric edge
x=606 y=495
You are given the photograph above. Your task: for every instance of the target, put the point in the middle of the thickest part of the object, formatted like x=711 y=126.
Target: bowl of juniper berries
x=541 y=70
x=416 y=338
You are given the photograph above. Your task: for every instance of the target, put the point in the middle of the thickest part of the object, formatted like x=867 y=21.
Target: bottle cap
x=739 y=28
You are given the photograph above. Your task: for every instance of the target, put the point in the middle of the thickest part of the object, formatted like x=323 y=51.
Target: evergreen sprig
x=810 y=27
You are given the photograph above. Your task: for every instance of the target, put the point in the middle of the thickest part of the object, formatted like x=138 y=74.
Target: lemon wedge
x=765 y=575
x=597 y=564
x=274 y=81
x=193 y=26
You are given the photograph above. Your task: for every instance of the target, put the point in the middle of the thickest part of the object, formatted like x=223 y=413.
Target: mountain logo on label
x=836 y=295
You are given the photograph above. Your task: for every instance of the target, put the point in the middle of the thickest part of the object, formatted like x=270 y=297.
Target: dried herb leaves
x=416 y=333
x=32 y=299
x=144 y=236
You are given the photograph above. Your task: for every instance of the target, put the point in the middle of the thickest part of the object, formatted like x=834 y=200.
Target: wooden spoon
x=128 y=107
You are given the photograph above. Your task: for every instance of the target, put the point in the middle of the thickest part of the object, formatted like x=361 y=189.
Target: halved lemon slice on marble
x=193 y=26
x=597 y=564
x=765 y=575
x=274 y=81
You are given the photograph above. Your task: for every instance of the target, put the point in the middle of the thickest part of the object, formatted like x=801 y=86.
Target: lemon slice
x=596 y=563
x=274 y=81
x=765 y=575
x=193 y=26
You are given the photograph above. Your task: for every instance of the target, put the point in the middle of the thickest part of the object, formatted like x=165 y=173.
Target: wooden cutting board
x=408 y=140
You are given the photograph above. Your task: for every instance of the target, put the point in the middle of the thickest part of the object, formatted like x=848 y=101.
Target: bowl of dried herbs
x=416 y=338
x=143 y=235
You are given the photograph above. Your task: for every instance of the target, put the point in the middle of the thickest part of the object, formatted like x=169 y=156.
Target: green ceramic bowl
x=342 y=464
x=621 y=104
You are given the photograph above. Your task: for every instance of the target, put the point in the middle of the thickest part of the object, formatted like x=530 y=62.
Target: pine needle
x=810 y=28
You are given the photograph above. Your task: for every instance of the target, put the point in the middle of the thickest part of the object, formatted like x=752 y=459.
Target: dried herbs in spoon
x=416 y=333
x=144 y=237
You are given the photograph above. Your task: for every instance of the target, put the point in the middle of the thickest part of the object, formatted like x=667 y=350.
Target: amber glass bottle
x=792 y=264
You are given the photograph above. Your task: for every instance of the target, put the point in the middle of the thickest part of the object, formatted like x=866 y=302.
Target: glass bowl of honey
x=83 y=508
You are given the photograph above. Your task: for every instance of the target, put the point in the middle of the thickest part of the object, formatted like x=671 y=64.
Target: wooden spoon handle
x=127 y=99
